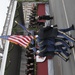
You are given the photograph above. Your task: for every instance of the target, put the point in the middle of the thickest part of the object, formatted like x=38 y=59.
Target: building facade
x=13 y=60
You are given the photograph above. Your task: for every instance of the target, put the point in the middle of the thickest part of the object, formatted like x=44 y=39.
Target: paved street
x=64 y=16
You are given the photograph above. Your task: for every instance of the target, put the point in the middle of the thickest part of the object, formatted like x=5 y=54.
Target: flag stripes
x=24 y=38
x=21 y=40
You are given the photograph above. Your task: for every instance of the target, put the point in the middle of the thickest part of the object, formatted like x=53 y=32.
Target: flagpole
x=4 y=37
x=23 y=27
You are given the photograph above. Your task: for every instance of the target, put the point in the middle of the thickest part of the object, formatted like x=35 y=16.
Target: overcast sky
x=3 y=10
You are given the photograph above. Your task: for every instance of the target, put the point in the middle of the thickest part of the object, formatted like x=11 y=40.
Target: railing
x=7 y=22
x=7 y=31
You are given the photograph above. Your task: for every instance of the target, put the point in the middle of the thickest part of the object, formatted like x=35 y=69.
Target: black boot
x=69 y=54
x=55 y=25
x=71 y=47
x=72 y=27
x=67 y=59
x=51 y=17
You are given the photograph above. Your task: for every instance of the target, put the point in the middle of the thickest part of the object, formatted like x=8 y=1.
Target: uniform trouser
x=62 y=56
x=62 y=39
x=63 y=42
x=42 y=43
x=57 y=49
x=63 y=30
x=60 y=49
x=59 y=39
x=45 y=17
x=52 y=48
x=67 y=29
x=60 y=33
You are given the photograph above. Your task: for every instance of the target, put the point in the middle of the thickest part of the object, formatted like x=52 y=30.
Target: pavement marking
x=68 y=25
x=50 y=67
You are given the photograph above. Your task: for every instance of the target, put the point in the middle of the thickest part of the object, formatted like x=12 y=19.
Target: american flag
x=19 y=39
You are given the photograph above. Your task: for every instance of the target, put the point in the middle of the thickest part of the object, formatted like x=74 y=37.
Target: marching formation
x=45 y=41
x=49 y=40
